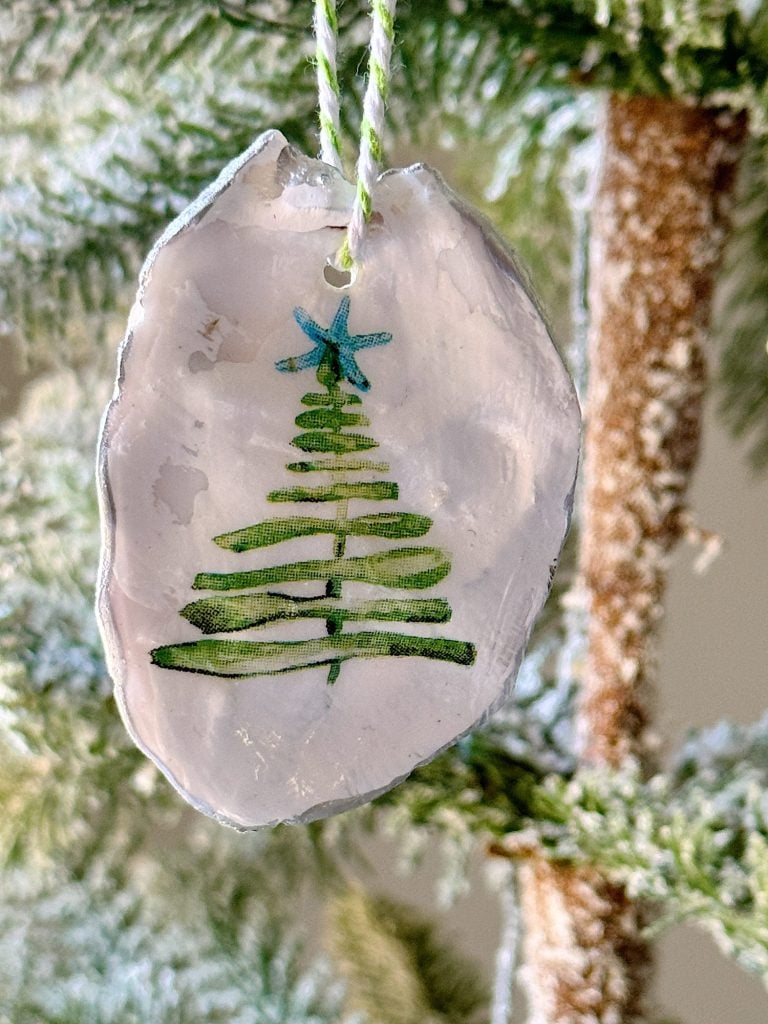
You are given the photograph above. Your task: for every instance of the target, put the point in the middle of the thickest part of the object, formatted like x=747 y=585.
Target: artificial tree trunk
x=658 y=229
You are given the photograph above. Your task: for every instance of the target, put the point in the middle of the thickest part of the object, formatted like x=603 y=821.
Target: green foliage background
x=113 y=116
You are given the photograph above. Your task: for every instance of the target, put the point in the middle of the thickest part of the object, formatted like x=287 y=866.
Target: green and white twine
x=374 y=104
x=326 y=33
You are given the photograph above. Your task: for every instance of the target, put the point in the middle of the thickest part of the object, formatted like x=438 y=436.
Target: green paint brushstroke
x=331 y=419
x=394 y=525
x=338 y=466
x=337 y=399
x=239 y=658
x=339 y=444
x=406 y=568
x=379 y=490
x=228 y=614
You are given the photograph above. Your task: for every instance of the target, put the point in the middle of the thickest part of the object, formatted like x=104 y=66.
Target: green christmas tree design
x=245 y=600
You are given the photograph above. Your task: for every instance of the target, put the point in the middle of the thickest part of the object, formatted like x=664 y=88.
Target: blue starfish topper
x=336 y=341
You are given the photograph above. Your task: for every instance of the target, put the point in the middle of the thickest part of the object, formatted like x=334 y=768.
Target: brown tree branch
x=658 y=229
x=659 y=226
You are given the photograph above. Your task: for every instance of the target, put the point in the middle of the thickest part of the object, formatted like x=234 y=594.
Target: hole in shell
x=337 y=278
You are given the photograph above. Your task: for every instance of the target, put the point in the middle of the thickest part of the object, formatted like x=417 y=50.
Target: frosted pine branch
x=692 y=841
x=90 y=950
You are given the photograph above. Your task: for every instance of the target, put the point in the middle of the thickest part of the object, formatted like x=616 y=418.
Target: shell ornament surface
x=330 y=516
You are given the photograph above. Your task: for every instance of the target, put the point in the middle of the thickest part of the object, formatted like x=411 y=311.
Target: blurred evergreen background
x=119 y=904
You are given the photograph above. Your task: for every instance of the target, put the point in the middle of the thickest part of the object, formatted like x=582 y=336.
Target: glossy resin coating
x=330 y=516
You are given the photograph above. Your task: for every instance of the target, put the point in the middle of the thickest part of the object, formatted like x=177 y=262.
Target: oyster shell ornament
x=330 y=516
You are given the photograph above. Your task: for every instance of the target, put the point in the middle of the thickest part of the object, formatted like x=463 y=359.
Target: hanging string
x=326 y=34
x=371 y=130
